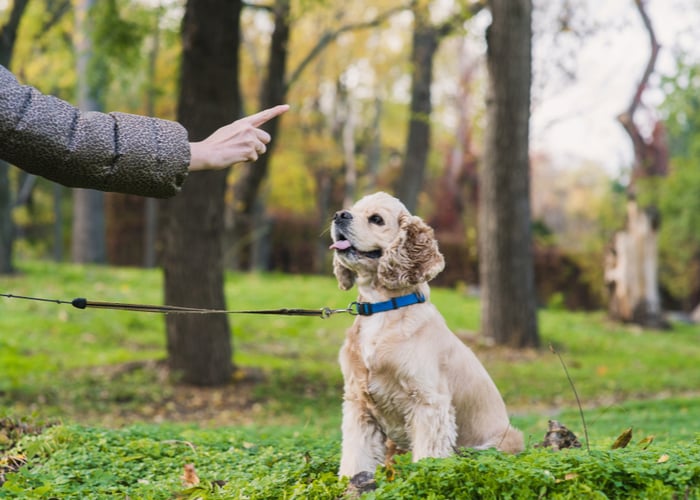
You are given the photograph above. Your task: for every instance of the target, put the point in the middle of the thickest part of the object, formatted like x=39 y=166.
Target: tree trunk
x=425 y=44
x=347 y=120
x=374 y=150
x=125 y=228
x=8 y=35
x=88 y=233
x=150 y=209
x=6 y=226
x=88 y=242
x=199 y=346
x=508 y=304
x=251 y=213
x=58 y=191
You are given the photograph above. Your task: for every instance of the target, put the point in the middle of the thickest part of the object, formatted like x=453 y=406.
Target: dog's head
x=380 y=240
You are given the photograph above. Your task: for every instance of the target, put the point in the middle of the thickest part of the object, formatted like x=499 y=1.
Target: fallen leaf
x=189 y=476
x=663 y=458
x=559 y=437
x=646 y=442
x=623 y=439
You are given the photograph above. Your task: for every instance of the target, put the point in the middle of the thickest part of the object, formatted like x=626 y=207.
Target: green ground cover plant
x=121 y=426
x=147 y=462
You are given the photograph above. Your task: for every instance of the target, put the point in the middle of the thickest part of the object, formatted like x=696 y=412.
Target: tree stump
x=631 y=270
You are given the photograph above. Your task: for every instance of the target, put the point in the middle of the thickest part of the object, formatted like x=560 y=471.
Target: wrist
x=197 y=157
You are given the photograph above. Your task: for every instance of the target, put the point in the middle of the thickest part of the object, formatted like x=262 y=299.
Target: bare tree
x=631 y=265
x=274 y=91
x=508 y=303
x=425 y=43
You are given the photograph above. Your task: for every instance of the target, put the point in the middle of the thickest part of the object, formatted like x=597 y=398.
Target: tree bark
x=508 y=303
x=199 y=346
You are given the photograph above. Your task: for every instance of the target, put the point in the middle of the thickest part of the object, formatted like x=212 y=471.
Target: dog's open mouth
x=343 y=245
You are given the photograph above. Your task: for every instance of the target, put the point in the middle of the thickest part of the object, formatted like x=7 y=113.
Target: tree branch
x=627 y=117
x=454 y=21
x=329 y=37
x=652 y=57
x=256 y=6
x=57 y=11
x=8 y=32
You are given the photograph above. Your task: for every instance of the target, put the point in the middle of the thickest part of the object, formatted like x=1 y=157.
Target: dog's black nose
x=342 y=216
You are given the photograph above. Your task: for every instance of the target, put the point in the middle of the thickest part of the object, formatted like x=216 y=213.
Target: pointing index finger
x=266 y=115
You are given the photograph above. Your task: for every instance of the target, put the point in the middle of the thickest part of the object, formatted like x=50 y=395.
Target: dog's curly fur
x=408 y=378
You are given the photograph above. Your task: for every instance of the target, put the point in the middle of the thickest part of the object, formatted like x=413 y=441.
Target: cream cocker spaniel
x=407 y=377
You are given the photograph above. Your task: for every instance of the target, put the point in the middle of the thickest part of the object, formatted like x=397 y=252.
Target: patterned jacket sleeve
x=110 y=152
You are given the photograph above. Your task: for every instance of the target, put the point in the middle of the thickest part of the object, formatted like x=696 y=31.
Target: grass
x=99 y=372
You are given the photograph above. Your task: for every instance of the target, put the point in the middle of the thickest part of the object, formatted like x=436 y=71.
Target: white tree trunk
x=631 y=271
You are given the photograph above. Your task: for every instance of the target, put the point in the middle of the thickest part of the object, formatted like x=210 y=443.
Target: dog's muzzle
x=341 y=243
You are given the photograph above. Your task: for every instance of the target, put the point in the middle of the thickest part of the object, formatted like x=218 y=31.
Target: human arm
x=111 y=152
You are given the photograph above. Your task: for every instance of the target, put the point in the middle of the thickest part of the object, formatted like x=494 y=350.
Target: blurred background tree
x=8 y=36
x=679 y=200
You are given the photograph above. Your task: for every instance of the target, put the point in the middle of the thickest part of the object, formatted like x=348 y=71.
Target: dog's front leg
x=363 y=440
x=433 y=428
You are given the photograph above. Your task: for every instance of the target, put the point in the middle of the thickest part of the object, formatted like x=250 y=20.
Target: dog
x=408 y=380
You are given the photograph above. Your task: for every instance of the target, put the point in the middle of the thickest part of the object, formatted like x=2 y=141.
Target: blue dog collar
x=369 y=308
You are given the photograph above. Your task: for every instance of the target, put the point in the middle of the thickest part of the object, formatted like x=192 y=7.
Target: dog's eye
x=376 y=219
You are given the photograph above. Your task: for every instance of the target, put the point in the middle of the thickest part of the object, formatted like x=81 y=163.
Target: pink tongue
x=340 y=245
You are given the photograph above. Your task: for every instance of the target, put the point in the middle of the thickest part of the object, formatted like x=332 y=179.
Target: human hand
x=236 y=142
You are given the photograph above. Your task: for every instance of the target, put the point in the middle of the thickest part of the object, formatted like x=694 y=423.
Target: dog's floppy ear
x=345 y=277
x=412 y=258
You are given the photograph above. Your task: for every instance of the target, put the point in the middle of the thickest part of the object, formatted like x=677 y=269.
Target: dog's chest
x=391 y=393
x=372 y=341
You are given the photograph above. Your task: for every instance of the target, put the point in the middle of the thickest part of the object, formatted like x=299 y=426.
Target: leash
x=354 y=309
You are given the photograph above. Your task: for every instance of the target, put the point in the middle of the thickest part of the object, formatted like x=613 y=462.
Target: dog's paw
x=360 y=483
